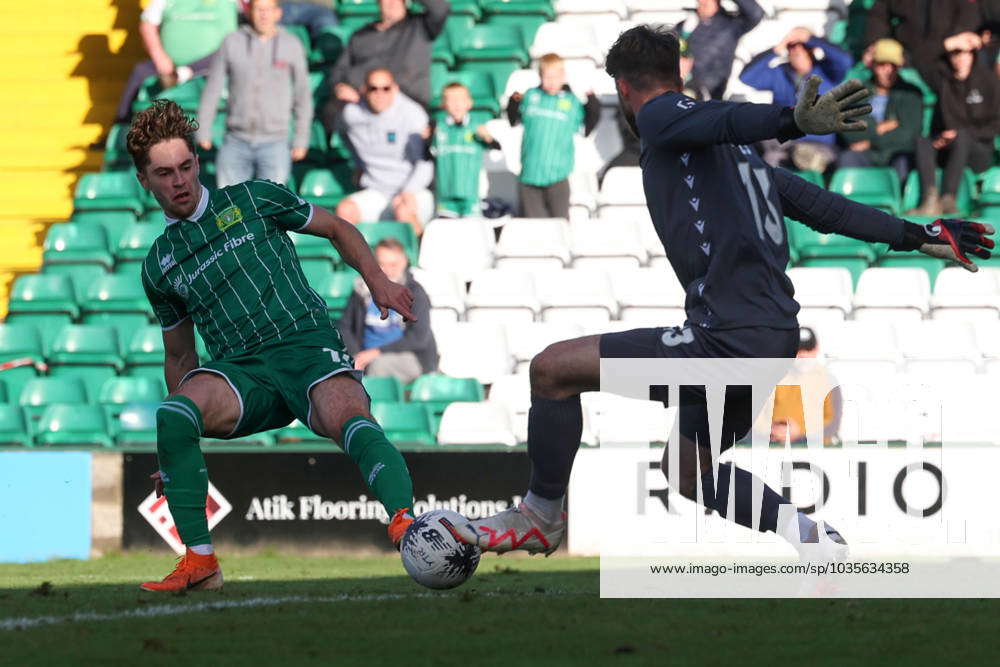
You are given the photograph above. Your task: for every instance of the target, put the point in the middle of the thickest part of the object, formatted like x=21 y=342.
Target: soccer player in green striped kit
x=225 y=264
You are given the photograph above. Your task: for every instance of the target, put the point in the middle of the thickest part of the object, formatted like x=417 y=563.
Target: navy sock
x=717 y=498
x=554 y=430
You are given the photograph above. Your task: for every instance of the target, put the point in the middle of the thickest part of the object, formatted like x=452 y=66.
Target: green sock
x=185 y=477
x=382 y=466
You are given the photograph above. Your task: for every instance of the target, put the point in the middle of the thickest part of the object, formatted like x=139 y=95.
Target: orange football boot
x=194 y=572
x=401 y=520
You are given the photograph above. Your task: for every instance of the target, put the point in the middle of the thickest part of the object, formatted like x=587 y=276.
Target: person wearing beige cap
x=896 y=118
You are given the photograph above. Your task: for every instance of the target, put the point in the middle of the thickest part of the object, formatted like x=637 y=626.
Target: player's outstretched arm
x=830 y=213
x=179 y=353
x=352 y=246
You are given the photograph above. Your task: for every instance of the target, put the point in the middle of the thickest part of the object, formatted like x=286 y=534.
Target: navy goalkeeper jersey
x=716 y=209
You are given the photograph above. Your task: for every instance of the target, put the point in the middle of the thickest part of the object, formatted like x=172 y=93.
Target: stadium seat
x=648 y=294
x=590 y=12
x=112 y=295
x=481 y=423
x=88 y=352
x=72 y=425
x=384 y=389
x=826 y=288
x=495 y=50
x=936 y=340
x=309 y=247
x=145 y=347
x=629 y=421
x=136 y=424
x=334 y=287
x=528 y=339
x=810 y=244
x=513 y=392
x=470 y=349
x=438 y=391
x=108 y=191
x=71 y=243
x=576 y=295
x=571 y=42
x=464 y=247
x=597 y=244
x=963 y=197
x=118 y=392
x=482 y=89
x=22 y=344
x=81 y=275
x=13 y=428
x=525 y=15
x=325 y=187
x=534 y=243
x=932 y=266
x=405 y=423
x=854 y=266
x=874 y=186
x=136 y=240
x=990 y=194
x=892 y=293
x=42 y=392
x=958 y=292
x=622 y=186
x=41 y=293
x=656 y=11
x=445 y=290
x=113 y=222
x=401 y=231
x=860 y=341
x=116 y=157
x=501 y=296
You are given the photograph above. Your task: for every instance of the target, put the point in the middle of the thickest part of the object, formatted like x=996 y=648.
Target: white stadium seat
x=500 y=296
x=892 y=294
x=463 y=246
x=649 y=296
x=572 y=42
x=482 y=423
x=937 y=340
x=988 y=339
x=598 y=244
x=535 y=243
x=622 y=186
x=626 y=420
x=472 y=349
x=874 y=341
x=823 y=288
x=591 y=11
x=444 y=288
x=513 y=392
x=576 y=295
x=961 y=294
x=525 y=340
x=607 y=32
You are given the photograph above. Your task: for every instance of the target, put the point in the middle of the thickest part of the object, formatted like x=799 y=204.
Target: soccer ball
x=433 y=555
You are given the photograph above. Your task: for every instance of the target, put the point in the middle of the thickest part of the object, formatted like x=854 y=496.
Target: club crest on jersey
x=180 y=287
x=167 y=262
x=228 y=218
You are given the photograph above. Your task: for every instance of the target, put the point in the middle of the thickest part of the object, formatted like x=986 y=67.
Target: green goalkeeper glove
x=833 y=110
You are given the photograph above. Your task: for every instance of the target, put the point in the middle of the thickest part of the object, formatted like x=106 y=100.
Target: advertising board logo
x=155 y=511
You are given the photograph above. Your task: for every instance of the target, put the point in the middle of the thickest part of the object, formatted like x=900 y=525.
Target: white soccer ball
x=433 y=555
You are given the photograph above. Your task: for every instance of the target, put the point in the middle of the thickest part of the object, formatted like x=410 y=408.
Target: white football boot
x=823 y=547
x=517 y=528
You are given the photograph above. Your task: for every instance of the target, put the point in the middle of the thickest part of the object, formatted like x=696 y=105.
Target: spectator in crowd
x=390 y=346
x=399 y=41
x=712 y=39
x=812 y=152
x=897 y=112
x=180 y=37
x=927 y=29
x=458 y=148
x=387 y=133
x=805 y=382
x=552 y=115
x=268 y=78
x=316 y=16
x=966 y=121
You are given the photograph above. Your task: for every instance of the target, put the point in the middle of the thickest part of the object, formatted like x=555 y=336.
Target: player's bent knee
x=334 y=401
x=219 y=406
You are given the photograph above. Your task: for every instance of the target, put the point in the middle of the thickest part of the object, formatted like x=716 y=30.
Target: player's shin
x=741 y=484
x=554 y=430
x=381 y=464
x=179 y=427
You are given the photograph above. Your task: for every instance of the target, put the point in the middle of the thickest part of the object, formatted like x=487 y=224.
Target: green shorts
x=458 y=207
x=273 y=382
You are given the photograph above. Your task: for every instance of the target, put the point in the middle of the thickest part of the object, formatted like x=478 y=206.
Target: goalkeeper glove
x=949 y=239
x=833 y=110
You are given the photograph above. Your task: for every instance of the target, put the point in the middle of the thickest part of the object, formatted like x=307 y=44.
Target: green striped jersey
x=550 y=122
x=232 y=268
x=458 y=153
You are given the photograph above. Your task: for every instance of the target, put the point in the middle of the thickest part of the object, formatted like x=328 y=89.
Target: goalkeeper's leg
x=340 y=410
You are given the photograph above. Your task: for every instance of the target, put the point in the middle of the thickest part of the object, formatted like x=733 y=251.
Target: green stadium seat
x=81 y=275
x=406 y=423
x=116 y=157
x=525 y=15
x=92 y=377
x=87 y=352
x=401 y=231
x=118 y=392
x=113 y=222
x=48 y=324
x=854 y=265
x=187 y=95
x=326 y=47
x=338 y=150
x=481 y=87
x=325 y=187
x=42 y=392
x=990 y=214
x=125 y=323
x=42 y=293
x=990 y=195
x=963 y=198
x=153 y=217
x=813 y=177
x=151 y=371
x=72 y=425
x=808 y=244
x=136 y=240
x=136 y=424
x=302 y=33
x=116 y=294
x=309 y=247
x=297 y=432
x=69 y=243
x=931 y=265
x=384 y=389
x=145 y=347
x=469 y=8
x=334 y=287
x=4 y=396
x=108 y=191
x=13 y=427
x=441 y=51
x=873 y=186
x=494 y=50
x=438 y=391
x=19 y=342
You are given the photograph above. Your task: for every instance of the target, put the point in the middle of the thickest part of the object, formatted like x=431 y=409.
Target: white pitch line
x=27 y=622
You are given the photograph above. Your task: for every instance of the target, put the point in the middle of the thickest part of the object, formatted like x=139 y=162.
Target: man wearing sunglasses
x=386 y=131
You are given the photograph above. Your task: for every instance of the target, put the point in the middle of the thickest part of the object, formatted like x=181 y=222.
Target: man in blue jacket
x=813 y=152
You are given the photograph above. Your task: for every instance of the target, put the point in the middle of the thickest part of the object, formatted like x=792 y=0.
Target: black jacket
x=417 y=336
x=973 y=104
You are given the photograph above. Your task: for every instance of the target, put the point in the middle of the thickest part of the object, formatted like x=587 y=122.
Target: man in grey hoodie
x=266 y=69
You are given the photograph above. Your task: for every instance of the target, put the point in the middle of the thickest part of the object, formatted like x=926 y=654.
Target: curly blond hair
x=163 y=121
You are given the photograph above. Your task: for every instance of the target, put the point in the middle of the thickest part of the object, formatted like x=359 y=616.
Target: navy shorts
x=692 y=342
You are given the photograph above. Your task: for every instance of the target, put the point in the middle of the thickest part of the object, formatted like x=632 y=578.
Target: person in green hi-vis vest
x=180 y=37
x=552 y=115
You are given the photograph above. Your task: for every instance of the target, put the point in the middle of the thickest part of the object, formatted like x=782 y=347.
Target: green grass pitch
x=288 y=610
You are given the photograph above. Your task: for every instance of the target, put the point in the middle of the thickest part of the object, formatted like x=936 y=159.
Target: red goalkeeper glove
x=949 y=239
